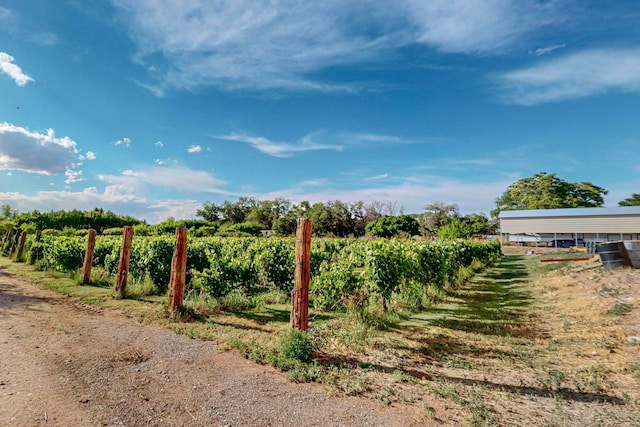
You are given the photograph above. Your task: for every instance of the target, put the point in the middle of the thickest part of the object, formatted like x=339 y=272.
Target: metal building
x=571 y=227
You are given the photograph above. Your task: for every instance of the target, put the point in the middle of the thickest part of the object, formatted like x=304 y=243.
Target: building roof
x=571 y=212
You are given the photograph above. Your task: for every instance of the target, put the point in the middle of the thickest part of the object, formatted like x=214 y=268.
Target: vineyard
x=346 y=274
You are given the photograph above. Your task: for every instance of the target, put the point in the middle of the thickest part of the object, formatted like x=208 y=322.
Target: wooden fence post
x=14 y=244
x=123 y=263
x=23 y=239
x=88 y=256
x=300 y=293
x=178 y=270
x=8 y=243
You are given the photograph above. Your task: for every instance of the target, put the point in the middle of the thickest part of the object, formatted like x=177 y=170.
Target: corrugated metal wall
x=602 y=224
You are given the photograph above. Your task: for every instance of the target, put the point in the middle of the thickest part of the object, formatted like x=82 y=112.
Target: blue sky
x=150 y=108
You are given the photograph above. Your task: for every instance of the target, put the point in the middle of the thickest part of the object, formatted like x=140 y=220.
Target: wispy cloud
x=34 y=152
x=279 y=149
x=463 y=26
x=44 y=39
x=191 y=181
x=159 y=144
x=548 y=49
x=369 y=138
x=8 y=67
x=412 y=197
x=116 y=198
x=583 y=74
x=377 y=177
x=194 y=149
x=278 y=44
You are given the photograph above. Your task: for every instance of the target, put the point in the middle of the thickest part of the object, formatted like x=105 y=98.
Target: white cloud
x=583 y=74
x=73 y=176
x=159 y=144
x=191 y=181
x=194 y=149
x=90 y=155
x=548 y=49
x=377 y=177
x=87 y=199
x=33 y=152
x=279 y=44
x=177 y=209
x=368 y=138
x=476 y=26
x=279 y=149
x=471 y=197
x=124 y=141
x=8 y=67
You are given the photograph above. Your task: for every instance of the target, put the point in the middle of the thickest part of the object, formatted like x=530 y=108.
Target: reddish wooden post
x=88 y=256
x=23 y=238
x=123 y=263
x=178 y=270
x=300 y=293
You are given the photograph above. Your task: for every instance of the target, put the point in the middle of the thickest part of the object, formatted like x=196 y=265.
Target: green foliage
x=457 y=229
x=389 y=226
x=633 y=200
x=97 y=219
x=547 y=191
x=296 y=345
x=346 y=274
x=241 y=229
x=115 y=231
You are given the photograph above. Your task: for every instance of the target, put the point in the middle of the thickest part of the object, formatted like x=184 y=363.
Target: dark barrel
x=633 y=252
x=613 y=255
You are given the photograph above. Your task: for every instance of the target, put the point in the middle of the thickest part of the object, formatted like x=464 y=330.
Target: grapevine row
x=344 y=272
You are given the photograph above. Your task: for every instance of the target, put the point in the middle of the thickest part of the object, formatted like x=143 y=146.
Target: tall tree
x=634 y=200
x=436 y=215
x=547 y=191
x=389 y=226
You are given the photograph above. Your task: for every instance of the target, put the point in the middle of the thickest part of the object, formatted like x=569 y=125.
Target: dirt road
x=63 y=363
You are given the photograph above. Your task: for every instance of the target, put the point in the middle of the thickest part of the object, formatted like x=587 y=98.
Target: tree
x=7 y=212
x=456 y=229
x=547 y=191
x=389 y=226
x=267 y=212
x=634 y=200
x=436 y=215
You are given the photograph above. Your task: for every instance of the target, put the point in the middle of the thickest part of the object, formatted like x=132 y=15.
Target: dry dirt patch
x=63 y=364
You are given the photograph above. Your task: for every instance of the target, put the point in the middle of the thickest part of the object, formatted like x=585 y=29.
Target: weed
x=141 y=288
x=607 y=291
x=236 y=300
x=619 y=309
x=296 y=345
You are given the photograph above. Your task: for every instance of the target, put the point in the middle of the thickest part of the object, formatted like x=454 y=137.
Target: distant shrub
x=117 y=231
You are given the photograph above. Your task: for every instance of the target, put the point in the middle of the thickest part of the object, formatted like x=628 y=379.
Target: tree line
x=251 y=216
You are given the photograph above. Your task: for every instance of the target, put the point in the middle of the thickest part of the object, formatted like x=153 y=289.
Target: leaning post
x=123 y=263
x=300 y=293
x=88 y=256
x=23 y=239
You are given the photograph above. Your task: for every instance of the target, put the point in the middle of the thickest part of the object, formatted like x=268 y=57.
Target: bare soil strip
x=63 y=364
